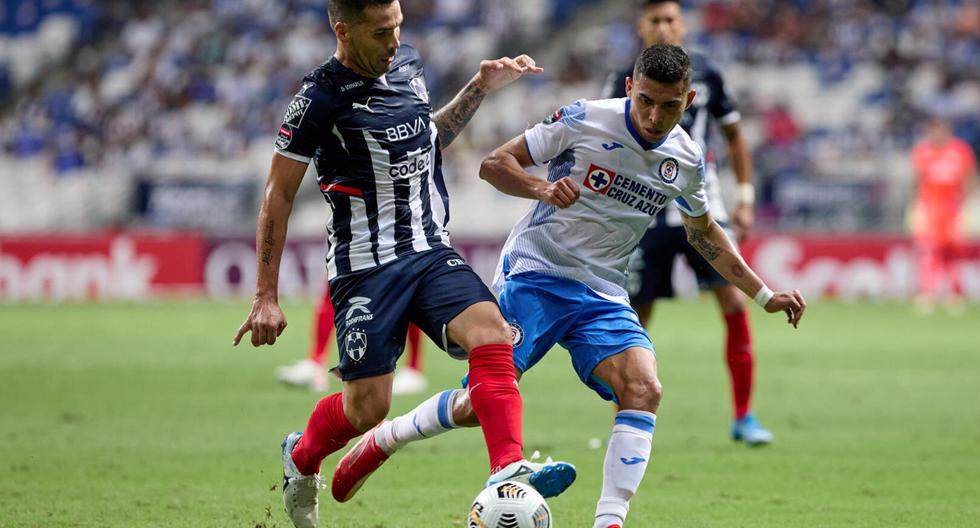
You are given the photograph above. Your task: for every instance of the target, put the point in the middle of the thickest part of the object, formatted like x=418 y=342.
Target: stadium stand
x=104 y=100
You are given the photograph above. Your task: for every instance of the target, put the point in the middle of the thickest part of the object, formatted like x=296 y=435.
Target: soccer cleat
x=750 y=431
x=550 y=478
x=408 y=381
x=304 y=373
x=356 y=466
x=298 y=490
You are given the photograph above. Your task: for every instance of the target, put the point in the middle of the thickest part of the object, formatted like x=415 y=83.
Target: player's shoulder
x=680 y=145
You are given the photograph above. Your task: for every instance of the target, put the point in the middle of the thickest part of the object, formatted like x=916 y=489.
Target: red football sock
x=497 y=402
x=414 y=348
x=738 y=352
x=327 y=431
x=324 y=327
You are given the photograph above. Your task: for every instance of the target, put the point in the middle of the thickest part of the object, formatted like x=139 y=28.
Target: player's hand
x=791 y=302
x=266 y=322
x=495 y=74
x=743 y=218
x=562 y=193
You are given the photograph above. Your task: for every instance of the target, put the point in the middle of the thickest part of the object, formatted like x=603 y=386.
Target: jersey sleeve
x=693 y=201
x=555 y=135
x=306 y=121
x=721 y=105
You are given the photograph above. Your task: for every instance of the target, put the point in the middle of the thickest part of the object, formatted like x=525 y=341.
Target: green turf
x=144 y=415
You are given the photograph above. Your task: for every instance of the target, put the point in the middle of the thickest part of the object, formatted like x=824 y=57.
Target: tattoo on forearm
x=453 y=117
x=699 y=239
x=268 y=243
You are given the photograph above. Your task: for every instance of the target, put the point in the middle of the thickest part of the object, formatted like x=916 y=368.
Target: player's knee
x=643 y=393
x=495 y=331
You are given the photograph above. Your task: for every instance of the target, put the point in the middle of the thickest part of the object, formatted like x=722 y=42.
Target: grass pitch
x=144 y=415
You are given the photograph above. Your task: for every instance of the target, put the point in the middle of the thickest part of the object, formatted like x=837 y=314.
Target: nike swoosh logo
x=633 y=461
x=612 y=146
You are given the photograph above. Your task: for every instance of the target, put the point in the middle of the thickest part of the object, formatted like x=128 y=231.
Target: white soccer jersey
x=624 y=182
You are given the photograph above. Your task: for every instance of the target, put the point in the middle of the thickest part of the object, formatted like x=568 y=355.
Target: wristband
x=745 y=193
x=764 y=295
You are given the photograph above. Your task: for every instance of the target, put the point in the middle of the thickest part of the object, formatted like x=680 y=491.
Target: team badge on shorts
x=516 y=334
x=598 y=179
x=356 y=344
x=668 y=170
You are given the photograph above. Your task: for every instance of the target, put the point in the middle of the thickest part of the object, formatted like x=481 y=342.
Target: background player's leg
x=409 y=378
x=340 y=417
x=632 y=375
x=309 y=372
x=483 y=332
x=738 y=347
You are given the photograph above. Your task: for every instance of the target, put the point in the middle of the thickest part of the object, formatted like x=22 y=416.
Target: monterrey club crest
x=418 y=86
x=599 y=179
x=668 y=170
x=356 y=344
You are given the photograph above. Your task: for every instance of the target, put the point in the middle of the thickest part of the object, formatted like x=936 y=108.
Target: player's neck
x=345 y=59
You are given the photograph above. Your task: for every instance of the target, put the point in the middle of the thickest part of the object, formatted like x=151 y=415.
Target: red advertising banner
x=853 y=266
x=100 y=266
x=133 y=265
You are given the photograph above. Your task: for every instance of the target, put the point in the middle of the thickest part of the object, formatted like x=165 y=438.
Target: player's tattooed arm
x=453 y=117
x=493 y=75
x=699 y=239
x=268 y=242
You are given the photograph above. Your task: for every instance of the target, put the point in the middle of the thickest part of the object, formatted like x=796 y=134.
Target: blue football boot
x=750 y=431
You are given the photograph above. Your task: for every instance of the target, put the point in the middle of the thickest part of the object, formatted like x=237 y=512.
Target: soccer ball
x=509 y=505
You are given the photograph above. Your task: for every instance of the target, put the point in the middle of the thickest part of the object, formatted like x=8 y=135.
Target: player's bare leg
x=632 y=375
x=741 y=365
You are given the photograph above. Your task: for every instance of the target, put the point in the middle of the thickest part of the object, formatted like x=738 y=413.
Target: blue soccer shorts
x=545 y=310
x=372 y=308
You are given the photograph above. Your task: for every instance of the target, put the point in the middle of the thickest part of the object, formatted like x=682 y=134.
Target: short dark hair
x=664 y=63
x=647 y=3
x=351 y=11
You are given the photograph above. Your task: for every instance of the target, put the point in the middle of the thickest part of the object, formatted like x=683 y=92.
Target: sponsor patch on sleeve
x=554 y=117
x=285 y=137
x=296 y=111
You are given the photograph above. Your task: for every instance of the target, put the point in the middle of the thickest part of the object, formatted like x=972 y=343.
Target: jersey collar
x=639 y=139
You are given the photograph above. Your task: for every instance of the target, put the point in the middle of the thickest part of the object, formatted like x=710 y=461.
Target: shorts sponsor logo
x=516 y=334
x=668 y=170
x=285 y=137
x=296 y=111
x=355 y=343
x=599 y=178
x=358 y=311
x=418 y=86
x=452 y=263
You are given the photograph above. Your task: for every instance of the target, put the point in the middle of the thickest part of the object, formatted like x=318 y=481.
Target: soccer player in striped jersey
x=613 y=165
x=365 y=120
x=651 y=265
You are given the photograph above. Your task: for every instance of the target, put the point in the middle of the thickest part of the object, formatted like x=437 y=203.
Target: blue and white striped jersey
x=624 y=183
x=377 y=158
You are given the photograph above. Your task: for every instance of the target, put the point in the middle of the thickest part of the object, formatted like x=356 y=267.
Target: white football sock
x=626 y=461
x=432 y=417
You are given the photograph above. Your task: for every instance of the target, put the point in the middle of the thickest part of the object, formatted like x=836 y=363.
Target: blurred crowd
x=208 y=79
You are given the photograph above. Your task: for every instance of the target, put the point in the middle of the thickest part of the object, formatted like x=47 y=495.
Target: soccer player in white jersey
x=613 y=164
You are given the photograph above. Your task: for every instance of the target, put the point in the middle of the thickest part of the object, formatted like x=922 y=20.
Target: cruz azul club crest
x=599 y=178
x=668 y=170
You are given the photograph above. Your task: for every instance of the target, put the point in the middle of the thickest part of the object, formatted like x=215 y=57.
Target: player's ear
x=691 y=94
x=629 y=87
x=342 y=31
